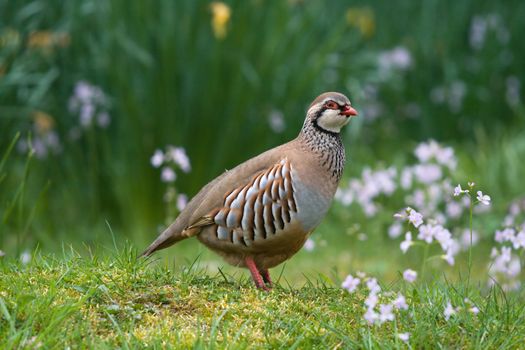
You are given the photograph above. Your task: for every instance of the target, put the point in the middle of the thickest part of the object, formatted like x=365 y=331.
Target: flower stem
x=471 y=207
x=425 y=258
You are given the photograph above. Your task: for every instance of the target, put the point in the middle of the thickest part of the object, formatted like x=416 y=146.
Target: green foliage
x=118 y=301
x=170 y=79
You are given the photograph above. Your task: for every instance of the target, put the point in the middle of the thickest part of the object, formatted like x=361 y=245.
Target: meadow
x=113 y=114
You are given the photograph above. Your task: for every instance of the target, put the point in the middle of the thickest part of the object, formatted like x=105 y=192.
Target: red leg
x=266 y=277
x=256 y=276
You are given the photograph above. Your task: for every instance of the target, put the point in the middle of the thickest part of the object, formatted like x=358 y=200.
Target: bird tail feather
x=166 y=239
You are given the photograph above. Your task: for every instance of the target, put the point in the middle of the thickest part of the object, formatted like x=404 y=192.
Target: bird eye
x=331 y=105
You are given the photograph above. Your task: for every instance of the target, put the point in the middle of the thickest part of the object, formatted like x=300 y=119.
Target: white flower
x=406 y=178
x=478 y=32
x=103 y=119
x=168 y=175
x=309 y=245
x=425 y=151
x=519 y=240
x=371 y=300
x=25 y=258
x=276 y=121
x=428 y=173
x=454 y=209
x=443 y=236
x=505 y=235
x=395 y=230
x=400 y=303
x=409 y=275
x=351 y=283
x=404 y=336
x=157 y=158
x=2 y=253
x=426 y=233
x=449 y=257
x=406 y=243
x=471 y=184
x=371 y=316
x=385 y=313
x=179 y=156
x=372 y=285
x=399 y=58
x=483 y=198
x=458 y=190
x=474 y=310
x=86 y=114
x=414 y=217
x=449 y=311
x=445 y=156
x=465 y=238
x=83 y=91
x=182 y=201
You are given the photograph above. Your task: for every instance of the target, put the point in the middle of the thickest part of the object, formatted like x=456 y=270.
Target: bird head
x=330 y=111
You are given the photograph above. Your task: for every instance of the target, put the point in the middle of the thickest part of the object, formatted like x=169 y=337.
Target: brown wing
x=256 y=210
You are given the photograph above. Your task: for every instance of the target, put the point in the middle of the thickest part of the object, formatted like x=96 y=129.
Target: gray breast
x=311 y=204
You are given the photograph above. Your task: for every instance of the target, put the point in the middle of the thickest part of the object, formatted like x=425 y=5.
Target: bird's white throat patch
x=332 y=120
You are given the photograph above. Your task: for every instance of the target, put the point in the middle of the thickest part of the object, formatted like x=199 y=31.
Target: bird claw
x=260 y=278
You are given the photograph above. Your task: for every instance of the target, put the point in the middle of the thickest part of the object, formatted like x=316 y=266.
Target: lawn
x=113 y=114
x=70 y=301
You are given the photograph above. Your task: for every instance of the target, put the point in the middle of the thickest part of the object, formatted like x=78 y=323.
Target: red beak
x=349 y=111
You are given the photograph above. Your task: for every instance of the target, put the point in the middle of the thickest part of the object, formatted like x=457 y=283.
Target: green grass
x=119 y=302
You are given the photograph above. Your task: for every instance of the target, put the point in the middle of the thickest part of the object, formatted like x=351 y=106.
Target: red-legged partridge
x=260 y=213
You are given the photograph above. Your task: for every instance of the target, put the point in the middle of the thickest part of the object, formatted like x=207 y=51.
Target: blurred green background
x=226 y=81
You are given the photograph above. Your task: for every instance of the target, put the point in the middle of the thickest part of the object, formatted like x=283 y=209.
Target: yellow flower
x=41 y=39
x=47 y=40
x=43 y=122
x=220 y=17
x=363 y=19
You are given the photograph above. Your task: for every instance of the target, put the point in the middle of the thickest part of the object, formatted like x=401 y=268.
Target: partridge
x=261 y=212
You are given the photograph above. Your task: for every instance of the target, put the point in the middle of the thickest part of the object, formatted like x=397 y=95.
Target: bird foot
x=266 y=278
x=258 y=279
